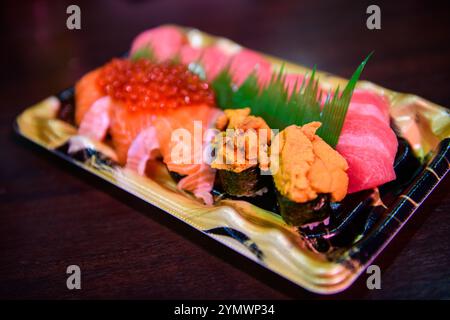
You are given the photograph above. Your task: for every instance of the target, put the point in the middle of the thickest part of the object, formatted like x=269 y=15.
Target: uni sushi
x=241 y=153
x=309 y=175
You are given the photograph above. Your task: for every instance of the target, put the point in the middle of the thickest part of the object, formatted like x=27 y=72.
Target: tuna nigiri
x=367 y=142
x=165 y=42
x=168 y=42
x=212 y=58
x=247 y=61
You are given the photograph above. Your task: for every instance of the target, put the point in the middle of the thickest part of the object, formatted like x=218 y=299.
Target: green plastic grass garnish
x=272 y=101
x=335 y=109
x=280 y=109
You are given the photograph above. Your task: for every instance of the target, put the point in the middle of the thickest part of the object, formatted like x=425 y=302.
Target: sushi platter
x=307 y=174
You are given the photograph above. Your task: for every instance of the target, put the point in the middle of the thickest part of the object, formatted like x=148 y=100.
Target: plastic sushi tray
x=325 y=259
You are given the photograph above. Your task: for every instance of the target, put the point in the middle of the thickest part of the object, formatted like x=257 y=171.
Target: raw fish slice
x=200 y=183
x=130 y=129
x=367 y=141
x=95 y=114
x=200 y=179
x=96 y=121
x=369 y=146
x=181 y=118
x=125 y=127
x=213 y=59
x=189 y=54
x=363 y=130
x=198 y=176
x=184 y=118
x=366 y=102
x=145 y=147
x=156 y=139
x=245 y=62
x=368 y=168
x=86 y=93
x=165 y=41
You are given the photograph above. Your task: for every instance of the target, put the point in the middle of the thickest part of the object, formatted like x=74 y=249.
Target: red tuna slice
x=212 y=58
x=368 y=168
x=214 y=61
x=369 y=146
x=363 y=130
x=245 y=62
x=165 y=41
x=189 y=54
x=367 y=102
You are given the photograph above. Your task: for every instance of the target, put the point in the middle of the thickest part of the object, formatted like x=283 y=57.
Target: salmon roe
x=142 y=84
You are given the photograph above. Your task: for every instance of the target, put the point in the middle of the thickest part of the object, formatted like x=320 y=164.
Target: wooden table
x=53 y=215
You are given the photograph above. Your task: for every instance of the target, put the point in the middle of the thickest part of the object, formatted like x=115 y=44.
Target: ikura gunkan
x=282 y=134
x=140 y=104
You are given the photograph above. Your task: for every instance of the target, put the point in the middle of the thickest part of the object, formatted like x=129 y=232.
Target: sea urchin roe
x=244 y=144
x=308 y=166
x=142 y=84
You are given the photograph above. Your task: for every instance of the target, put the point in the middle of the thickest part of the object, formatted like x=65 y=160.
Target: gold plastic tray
x=255 y=233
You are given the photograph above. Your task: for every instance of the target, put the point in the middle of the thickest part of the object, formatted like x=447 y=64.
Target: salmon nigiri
x=140 y=104
x=86 y=93
x=161 y=139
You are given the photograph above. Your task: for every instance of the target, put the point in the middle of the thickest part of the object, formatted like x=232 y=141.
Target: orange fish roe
x=142 y=84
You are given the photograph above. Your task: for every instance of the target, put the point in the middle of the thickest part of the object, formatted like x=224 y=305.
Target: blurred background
x=411 y=48
x=55 y=217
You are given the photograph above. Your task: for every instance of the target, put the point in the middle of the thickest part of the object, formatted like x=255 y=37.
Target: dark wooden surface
x=53 y=215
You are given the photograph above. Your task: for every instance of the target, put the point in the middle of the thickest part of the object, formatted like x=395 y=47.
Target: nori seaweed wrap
x=309 y=174
x=298 y=214
x=241 y=153
x=247 y=183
